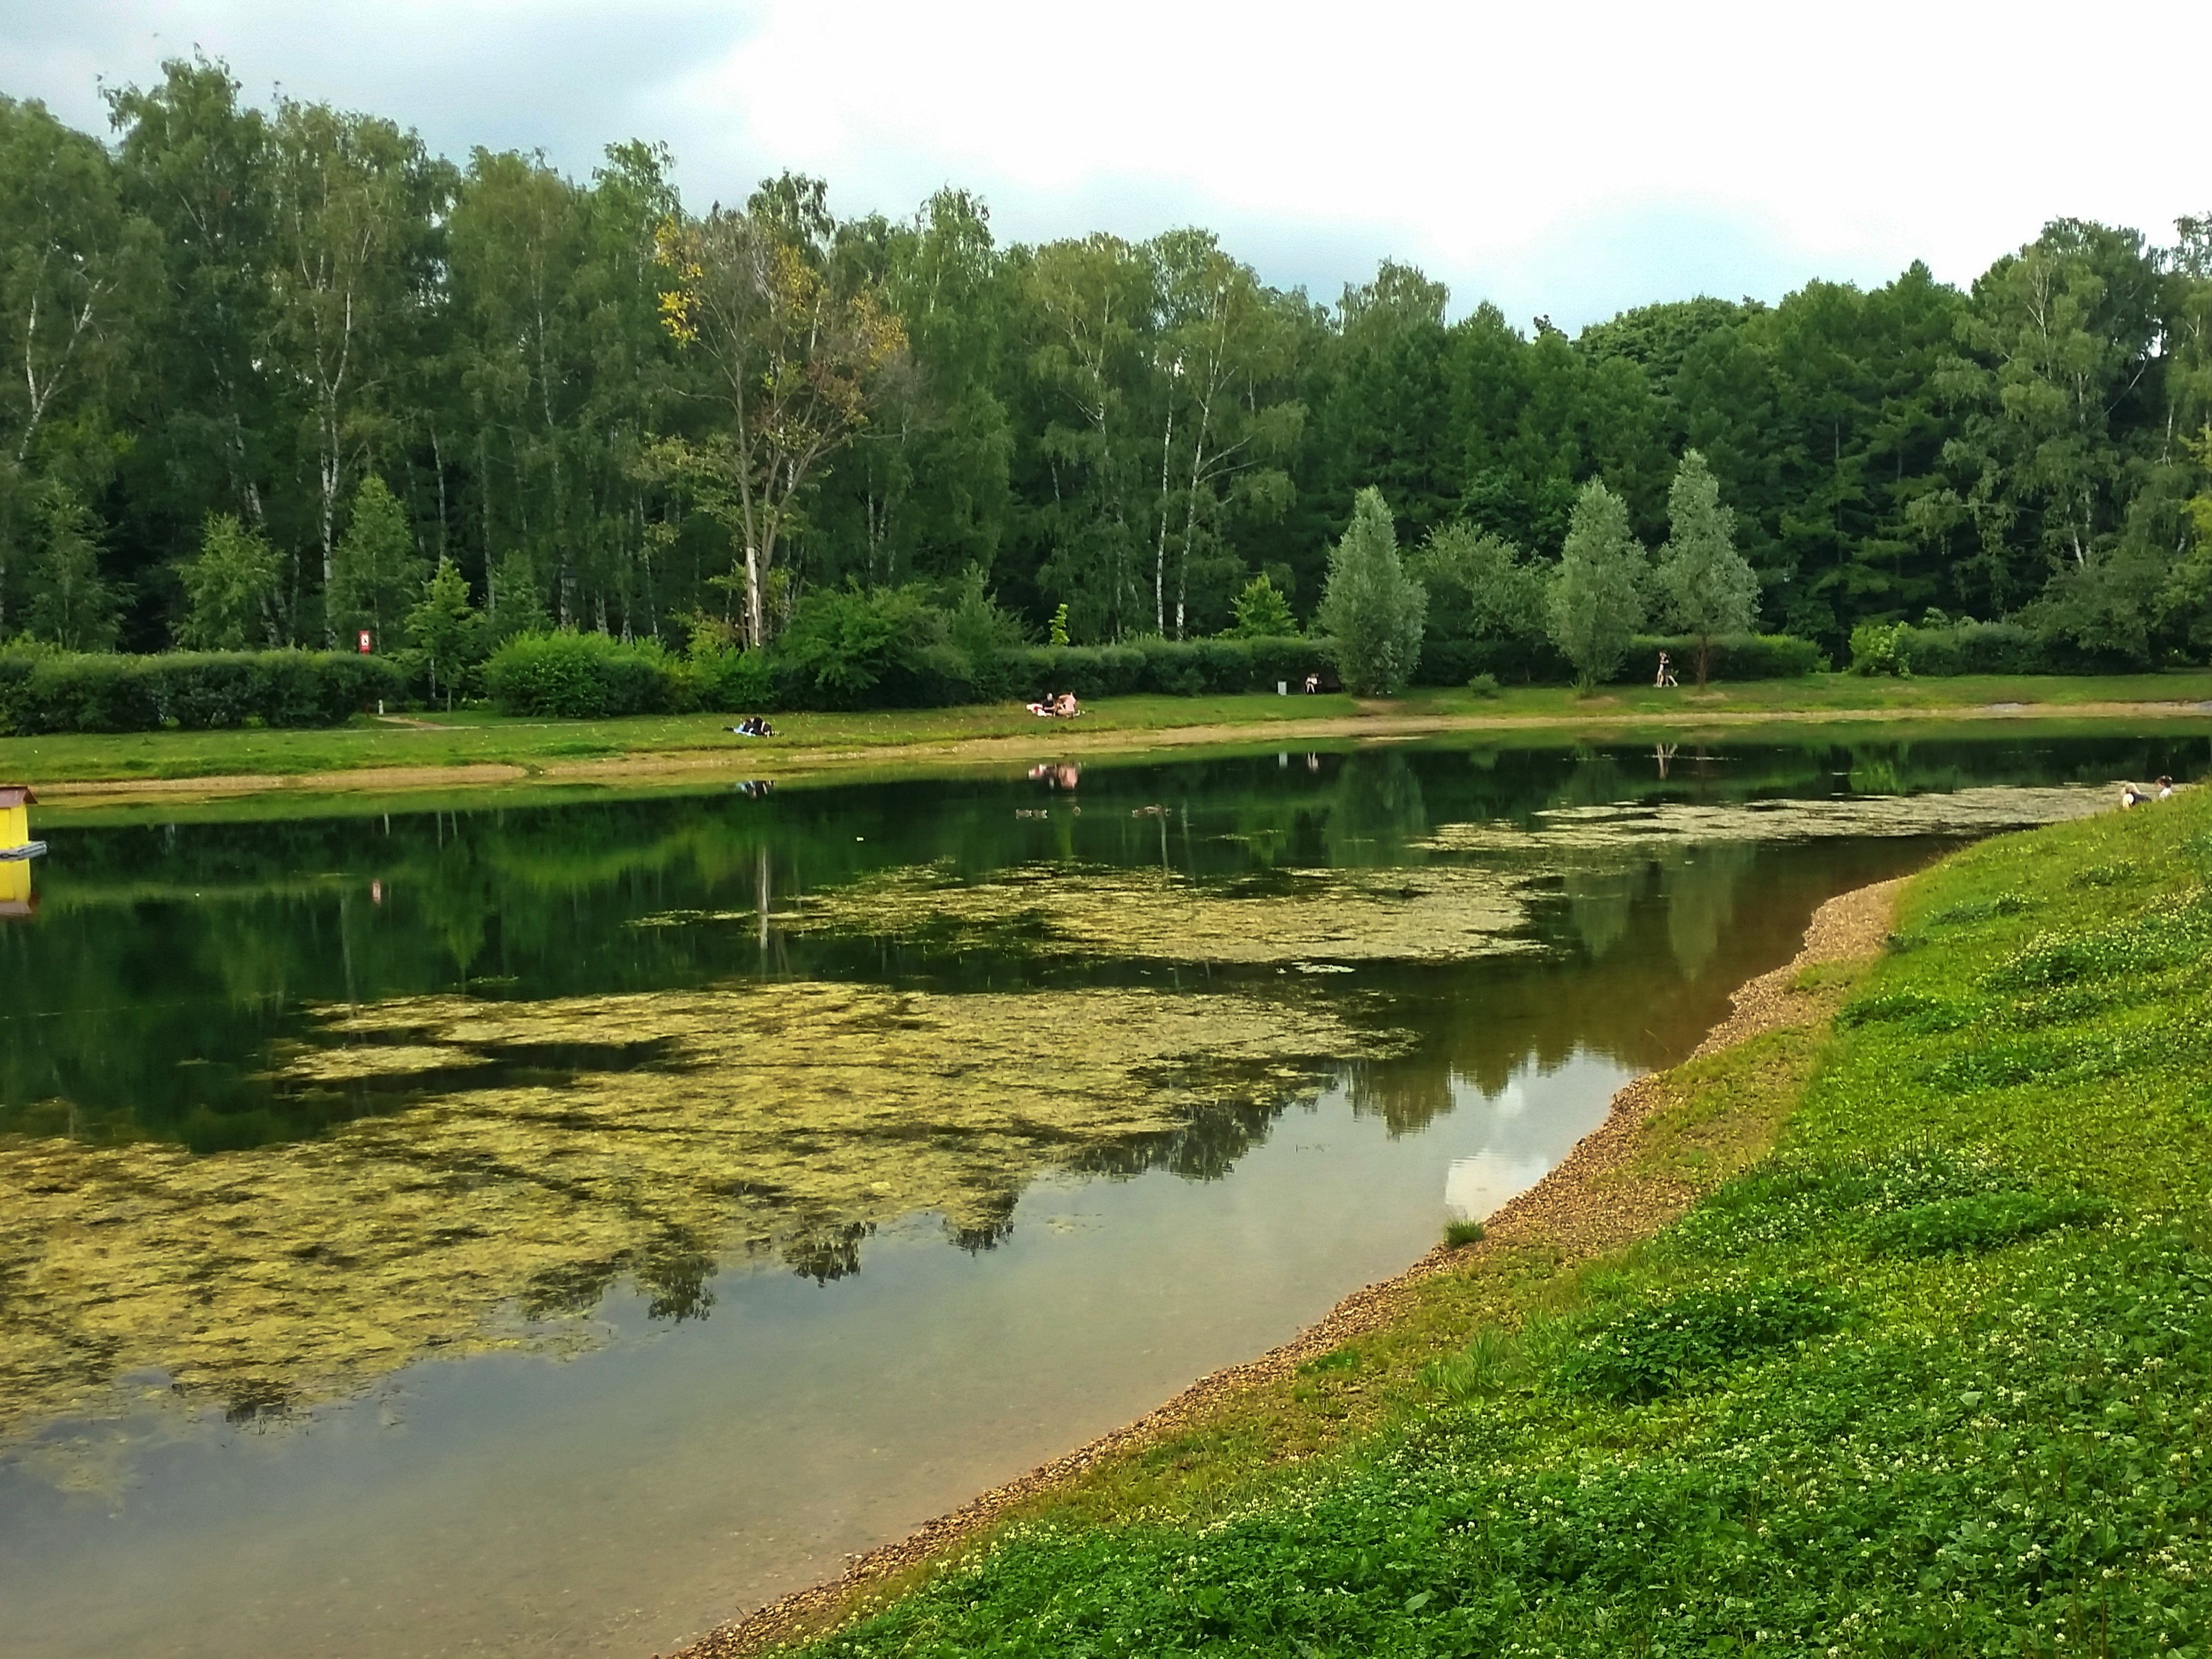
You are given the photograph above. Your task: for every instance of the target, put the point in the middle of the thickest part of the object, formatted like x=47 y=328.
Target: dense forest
x=290 y=349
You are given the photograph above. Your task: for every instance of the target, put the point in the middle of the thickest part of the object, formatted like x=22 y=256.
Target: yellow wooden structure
x=17 y=850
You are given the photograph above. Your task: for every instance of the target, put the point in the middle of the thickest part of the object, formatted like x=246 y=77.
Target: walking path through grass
x=472 y=751
x=1925 y=1369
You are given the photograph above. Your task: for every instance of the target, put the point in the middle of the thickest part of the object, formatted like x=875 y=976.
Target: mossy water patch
x=1282 y=917
x=1972 y=812
x=779 y=1122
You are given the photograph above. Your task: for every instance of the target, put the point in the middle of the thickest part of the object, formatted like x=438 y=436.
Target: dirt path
x=1055 y=743
x=1576 y=1209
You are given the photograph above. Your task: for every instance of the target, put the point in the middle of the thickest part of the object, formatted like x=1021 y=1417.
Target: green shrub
x=1483 y=685
x=1459 y=1234
x=851 y=647
x=1876 y=648
x=1969 y=648
x=1672 y=1344
x=1735 y=656
x=586 y=675
x=44 y=691
x=1169 y=667
x=1983 y=1221
x=1492 y=1363
x=735 y=681
x=1520 y=661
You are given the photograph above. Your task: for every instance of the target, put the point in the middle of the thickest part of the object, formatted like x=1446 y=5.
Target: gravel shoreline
x=1574 y=1209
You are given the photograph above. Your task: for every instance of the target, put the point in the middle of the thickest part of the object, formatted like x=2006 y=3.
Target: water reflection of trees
x=1377 y=810
x=168 y=956
x=1645 y=1000
x=783 y=1122
x=171 y=976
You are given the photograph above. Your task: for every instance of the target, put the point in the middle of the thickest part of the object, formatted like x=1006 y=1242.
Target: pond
x=556 y=1229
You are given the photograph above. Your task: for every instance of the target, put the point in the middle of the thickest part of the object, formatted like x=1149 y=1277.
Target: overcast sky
x=1564 y=159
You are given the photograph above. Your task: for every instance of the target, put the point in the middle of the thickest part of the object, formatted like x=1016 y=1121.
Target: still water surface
x=552 y=1230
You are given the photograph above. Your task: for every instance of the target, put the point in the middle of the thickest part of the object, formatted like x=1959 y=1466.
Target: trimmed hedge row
x=585 y=675
x=1972 y=648
x=1537 y=662
x=43 y=691
x=591 y=675
x=1174 y=668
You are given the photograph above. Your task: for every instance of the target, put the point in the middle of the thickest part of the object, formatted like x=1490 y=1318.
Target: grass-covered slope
x=1933 y=1377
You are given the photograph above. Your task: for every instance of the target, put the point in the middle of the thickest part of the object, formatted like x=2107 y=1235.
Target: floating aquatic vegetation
x=1961 y=812
x=1299 y=916
x=783 y=1120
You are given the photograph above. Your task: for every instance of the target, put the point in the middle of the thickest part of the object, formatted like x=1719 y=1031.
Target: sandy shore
x=681 y=766
x=1582 y=1208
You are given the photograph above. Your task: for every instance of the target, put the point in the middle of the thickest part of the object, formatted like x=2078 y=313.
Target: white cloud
x=1571 y=158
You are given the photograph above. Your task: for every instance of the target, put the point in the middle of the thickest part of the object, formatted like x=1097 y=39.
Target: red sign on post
x=367 y=644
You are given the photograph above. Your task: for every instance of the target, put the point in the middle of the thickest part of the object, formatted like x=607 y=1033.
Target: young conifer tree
x=1596 y=601
x=1371 y=609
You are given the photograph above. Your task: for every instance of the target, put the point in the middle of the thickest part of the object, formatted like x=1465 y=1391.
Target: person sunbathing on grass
x=752 y=727
x=1064 y=706
x=2131 y=795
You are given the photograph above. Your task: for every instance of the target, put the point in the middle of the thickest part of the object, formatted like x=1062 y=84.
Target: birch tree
x=1092 y=305
x=195 y=163
x=73 y=264
x=353 y=199
x=1232 y=350
x=797 y=349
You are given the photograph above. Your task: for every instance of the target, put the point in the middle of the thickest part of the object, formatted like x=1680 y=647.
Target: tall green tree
x=445 y=629
x=195 y=163
x=233 y=588
x=71 y=604
x=1090 y=310
x=1229 y=349
x=1595 y=602
x=798 y=348
x=1371 y=609
x=375 y=569
x=357 y=204
x=1706 y=588
x=74 y=269
x=2059 y=349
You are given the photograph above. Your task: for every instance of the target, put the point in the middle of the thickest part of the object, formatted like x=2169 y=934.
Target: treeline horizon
x=226 y=324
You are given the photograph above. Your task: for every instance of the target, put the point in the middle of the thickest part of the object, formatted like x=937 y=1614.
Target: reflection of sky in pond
x=739 y=1285
x=1527 y=1127
x=797 y=1422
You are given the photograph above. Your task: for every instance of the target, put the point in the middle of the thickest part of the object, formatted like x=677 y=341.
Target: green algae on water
x=1977 y=811
x=1280 y=917
x=779 y=1122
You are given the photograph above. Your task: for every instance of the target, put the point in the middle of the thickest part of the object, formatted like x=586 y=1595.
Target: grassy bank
x=434 y=749
x=1930 y=1374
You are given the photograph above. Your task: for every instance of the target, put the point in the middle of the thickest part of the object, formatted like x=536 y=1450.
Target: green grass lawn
x=1931 y=1376
x=476 y=737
